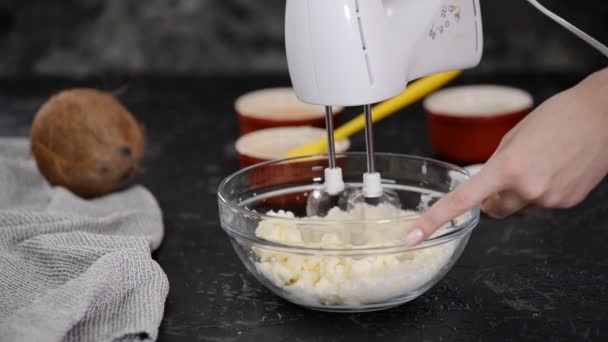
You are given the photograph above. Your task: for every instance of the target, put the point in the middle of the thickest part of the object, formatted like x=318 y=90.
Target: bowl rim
x=342 y=145
x=455 y=232
x=244 y=101
x=525 y=101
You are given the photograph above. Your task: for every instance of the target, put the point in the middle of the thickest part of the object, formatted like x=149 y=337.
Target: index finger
x=465 y=197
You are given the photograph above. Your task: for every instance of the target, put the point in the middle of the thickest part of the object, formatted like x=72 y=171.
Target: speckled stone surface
x=91 y=37
x=536 y=278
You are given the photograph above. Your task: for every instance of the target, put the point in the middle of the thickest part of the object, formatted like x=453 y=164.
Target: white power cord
x=575 y=30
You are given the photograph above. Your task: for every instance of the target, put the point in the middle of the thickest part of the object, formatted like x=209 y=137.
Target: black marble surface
x=89 y=37
x=537 y=278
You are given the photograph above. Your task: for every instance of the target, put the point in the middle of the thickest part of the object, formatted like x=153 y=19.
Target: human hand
x=552 y=159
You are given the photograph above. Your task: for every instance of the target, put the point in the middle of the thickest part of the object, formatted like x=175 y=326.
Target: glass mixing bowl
x=344 y=262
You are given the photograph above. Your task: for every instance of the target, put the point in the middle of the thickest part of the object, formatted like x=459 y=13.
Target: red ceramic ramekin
x=467 y=123
x=278 y=107
x=274 y=143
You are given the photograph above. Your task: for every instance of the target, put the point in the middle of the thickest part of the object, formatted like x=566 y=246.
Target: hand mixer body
x=355 y=52
x=358 y=52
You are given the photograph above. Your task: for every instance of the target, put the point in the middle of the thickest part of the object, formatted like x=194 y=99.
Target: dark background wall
x=88 y=37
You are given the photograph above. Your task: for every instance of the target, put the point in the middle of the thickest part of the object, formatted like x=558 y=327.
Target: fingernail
x=414 y=237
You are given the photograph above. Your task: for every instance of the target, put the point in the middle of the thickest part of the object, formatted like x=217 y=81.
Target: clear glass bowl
x=341 y=263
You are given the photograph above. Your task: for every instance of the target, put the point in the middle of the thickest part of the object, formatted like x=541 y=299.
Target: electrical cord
x=568 y=26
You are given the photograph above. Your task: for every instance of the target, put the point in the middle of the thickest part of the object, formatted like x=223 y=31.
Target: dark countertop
x=541 y=277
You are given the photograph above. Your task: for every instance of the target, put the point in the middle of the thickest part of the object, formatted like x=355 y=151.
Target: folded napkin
x=74 y=269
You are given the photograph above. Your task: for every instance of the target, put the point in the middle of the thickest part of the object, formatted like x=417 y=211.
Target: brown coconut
x=87 y=141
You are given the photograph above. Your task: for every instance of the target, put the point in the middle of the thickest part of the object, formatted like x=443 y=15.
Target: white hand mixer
x=358 y=52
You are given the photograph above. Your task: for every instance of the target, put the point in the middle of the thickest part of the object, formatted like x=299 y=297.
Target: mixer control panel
x=449 y=16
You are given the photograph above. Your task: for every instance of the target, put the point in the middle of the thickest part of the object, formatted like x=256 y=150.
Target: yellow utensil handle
x=414 y=92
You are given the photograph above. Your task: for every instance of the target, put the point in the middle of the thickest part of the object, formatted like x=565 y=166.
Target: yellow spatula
x=412 y=94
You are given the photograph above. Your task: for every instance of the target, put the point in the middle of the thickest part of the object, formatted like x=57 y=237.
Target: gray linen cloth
x=74 y=269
